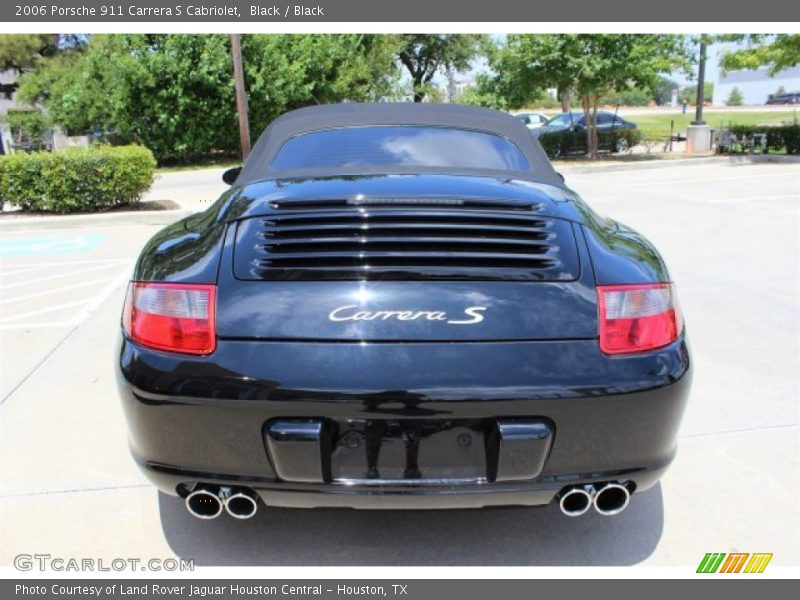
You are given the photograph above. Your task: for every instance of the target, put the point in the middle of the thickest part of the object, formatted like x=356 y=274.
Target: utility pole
x=241 y=94
x=701 y=81
x=698 y=134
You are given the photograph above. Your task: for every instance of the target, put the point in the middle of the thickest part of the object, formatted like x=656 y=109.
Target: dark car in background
x=401 y=306
x=565 y=134
x=788 y=98
x=576 y=121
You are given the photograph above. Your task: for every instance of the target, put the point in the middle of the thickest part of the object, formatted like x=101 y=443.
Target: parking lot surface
x=729 y=233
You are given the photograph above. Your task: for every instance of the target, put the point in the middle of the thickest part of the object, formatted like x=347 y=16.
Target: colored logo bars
x=735 y=562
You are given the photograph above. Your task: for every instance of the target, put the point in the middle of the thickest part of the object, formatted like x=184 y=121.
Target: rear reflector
x=637 y=318
x=171 y=316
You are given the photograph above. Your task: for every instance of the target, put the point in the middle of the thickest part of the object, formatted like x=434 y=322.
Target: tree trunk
x=589 y=123
x=595 y=141
x=417 y=81
x=563 y=95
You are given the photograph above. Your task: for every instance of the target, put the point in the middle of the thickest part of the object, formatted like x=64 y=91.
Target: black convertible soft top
x=331 y=116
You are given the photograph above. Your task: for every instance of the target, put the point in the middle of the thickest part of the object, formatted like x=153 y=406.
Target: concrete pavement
x=730 y=236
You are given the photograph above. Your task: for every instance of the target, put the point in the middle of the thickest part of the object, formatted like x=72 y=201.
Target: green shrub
x=563 y=143
x=790 y=137
x=78 y=179
x=780 y=137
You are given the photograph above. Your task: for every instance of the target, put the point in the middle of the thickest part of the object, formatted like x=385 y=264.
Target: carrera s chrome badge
x=353 y=312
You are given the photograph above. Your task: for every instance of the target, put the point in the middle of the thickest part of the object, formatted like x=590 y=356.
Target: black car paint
x=205 y=418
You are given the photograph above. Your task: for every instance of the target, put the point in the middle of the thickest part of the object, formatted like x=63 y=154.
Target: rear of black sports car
x=401 y=307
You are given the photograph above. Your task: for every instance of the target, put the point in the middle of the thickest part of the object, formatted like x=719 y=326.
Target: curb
x=6 y=222
x=635 y=166
x=680 y=162
x=784 y=159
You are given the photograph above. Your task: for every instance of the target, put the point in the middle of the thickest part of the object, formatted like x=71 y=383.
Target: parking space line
x=54 y=290
x=43 y=311
x=702 y=434
x=77 y=321
x=46 y=229
x=78 y=490
x=40 y=325
x=57 y=276
x=21 y=271
x=66 y=263
x=104 y=294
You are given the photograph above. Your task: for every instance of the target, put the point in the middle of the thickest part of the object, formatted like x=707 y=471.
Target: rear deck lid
x=406 y=269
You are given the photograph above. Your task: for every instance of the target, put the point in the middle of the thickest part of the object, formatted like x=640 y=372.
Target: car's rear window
x=379 y=146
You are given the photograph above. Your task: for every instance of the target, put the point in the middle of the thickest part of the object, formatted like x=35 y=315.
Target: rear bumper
x=203 y=419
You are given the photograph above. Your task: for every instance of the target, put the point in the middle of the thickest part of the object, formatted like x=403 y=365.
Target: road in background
x=729 y=233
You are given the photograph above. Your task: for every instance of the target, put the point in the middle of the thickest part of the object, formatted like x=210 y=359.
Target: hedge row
x=562 y=143
x=78 y=179
x=780 y=137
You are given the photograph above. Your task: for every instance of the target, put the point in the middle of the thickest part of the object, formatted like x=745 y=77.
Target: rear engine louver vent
x=321 y=240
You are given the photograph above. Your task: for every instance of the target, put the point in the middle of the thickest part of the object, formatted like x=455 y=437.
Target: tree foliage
x=175 y=94
x=424 y=55
x=27 y=125
x=662 y=91
x=735 y=98
x=22 y=51
x=588 y=65
x=776 y=52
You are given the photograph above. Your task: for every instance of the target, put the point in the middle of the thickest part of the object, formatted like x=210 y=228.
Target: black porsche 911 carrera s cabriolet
x=401 y=306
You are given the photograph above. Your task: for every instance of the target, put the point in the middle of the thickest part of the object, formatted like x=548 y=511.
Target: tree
x=484 y=93
x=19 y=52
x=662 y=92
x=424 y=55
x=27 y=125
x=589 y=65
x=776 y=52
x=175 y=94
x=735 y=98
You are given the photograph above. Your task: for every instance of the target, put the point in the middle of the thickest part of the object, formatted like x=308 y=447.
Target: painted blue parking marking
x=32 y=246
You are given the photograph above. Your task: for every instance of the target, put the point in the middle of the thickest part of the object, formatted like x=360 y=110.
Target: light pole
x=241 y=94
x=701 y=81
x=698 y=134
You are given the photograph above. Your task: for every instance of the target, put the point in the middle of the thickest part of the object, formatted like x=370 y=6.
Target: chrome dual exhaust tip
x=576 y=501
x=607 y=499
x=611 y=499
x=242 y=504
x=208 y=502
x=204 y=503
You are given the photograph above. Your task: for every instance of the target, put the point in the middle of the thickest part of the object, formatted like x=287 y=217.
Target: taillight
x=171 y=316
x=637 y=318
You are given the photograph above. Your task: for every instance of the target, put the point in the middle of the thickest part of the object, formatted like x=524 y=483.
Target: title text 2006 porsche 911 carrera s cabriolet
x=401 y=306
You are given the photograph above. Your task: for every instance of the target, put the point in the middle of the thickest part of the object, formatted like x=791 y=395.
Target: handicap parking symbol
x=53 y=244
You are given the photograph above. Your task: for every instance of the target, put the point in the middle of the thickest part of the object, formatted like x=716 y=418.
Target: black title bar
x=443 y=11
